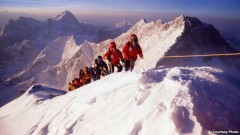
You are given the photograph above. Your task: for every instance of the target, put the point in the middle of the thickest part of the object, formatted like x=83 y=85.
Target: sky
x=227 y=8
x=112 y=11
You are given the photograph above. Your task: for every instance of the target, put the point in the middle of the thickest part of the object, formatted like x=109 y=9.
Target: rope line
x=202 y=55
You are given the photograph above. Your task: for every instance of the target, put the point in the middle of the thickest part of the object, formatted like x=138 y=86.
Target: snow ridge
x=199 y=38
x=134 y=103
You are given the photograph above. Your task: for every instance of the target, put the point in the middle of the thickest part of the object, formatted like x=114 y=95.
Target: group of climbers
x=129 y=54
x=84 y=78
x=99 y=69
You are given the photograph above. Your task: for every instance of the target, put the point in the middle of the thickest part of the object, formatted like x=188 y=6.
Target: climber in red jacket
x=131 y=50
x=113 y=55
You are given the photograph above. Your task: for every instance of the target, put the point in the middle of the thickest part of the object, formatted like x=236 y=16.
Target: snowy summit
x=169 y=96
x=65 y=15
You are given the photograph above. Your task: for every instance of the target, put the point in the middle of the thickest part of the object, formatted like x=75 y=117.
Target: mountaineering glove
x=141 y=56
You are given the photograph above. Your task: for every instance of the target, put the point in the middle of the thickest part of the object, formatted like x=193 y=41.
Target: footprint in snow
x=161 y=106
x=92 y=101
x=142 y=96
x=136 y=128
x=181 y=119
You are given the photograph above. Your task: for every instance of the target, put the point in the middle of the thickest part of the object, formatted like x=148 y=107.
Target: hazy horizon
x=223 y=14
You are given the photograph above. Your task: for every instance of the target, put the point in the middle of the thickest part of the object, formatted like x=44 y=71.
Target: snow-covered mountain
x=29 y=47
x=233 y=40
x=115 y=31
x=41 y=33
x=201 y=38
x=64 y=24
x=36 y=36
x=62 y=58
x=22 y=27
x=67 y=70
x=121 y=27
x=20 y=54
x=161 y=96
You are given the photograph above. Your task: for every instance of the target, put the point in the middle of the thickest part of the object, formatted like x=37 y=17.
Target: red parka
x=131 y=52
x=113 y=54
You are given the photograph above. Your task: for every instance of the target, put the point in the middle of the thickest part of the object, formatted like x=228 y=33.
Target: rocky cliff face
x=199 y=38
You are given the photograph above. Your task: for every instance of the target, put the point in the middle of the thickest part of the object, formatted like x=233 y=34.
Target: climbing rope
x=202 y=55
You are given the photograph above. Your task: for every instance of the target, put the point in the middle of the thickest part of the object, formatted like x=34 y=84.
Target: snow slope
x=161 y=101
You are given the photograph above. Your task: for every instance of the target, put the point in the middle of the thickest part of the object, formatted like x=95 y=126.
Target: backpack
x=101 y=66
x=81 y=74
x=71 y=86
x=109 y=57
x=86 y=70
x=76 y=82
x=86 y=73
x=135 y=47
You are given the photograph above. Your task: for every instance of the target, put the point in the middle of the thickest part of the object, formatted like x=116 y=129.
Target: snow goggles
x=99 y=60
x=134 y=39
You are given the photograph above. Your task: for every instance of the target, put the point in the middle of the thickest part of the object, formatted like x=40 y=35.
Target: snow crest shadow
x=153 y=76
x=42 y=93
x=147 y=81
x=215 y=99
x=136 y=128
x=220 y=109
x=183 y=123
